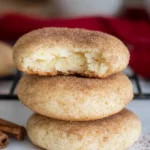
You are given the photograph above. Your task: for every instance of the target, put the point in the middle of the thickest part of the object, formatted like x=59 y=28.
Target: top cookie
x=52 y=51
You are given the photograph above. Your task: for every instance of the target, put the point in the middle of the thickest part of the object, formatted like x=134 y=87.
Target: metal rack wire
x=15 y=78
x=139 y=94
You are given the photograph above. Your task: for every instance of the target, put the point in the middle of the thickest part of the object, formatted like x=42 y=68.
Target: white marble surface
x=18 y=113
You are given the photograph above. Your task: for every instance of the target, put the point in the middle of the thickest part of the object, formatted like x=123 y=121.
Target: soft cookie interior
x=66 y=61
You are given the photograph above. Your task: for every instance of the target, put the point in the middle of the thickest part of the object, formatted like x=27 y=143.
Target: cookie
x=117 y=132
x=7 y=66
x=75 y=98
x=55 y=51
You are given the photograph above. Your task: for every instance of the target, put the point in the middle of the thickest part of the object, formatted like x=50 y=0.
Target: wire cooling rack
x=14 y=79
x=11 y=94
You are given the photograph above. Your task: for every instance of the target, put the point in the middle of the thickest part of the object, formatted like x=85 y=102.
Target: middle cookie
x=73 y=98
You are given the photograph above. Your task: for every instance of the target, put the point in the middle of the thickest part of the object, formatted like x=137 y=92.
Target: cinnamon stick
x=3 y=140
x=14 y=130
x=5 y=122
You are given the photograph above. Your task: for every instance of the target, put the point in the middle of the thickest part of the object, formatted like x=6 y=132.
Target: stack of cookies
x=74 y=85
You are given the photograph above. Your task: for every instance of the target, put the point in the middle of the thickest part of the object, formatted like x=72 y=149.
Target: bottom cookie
x=116 y=132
